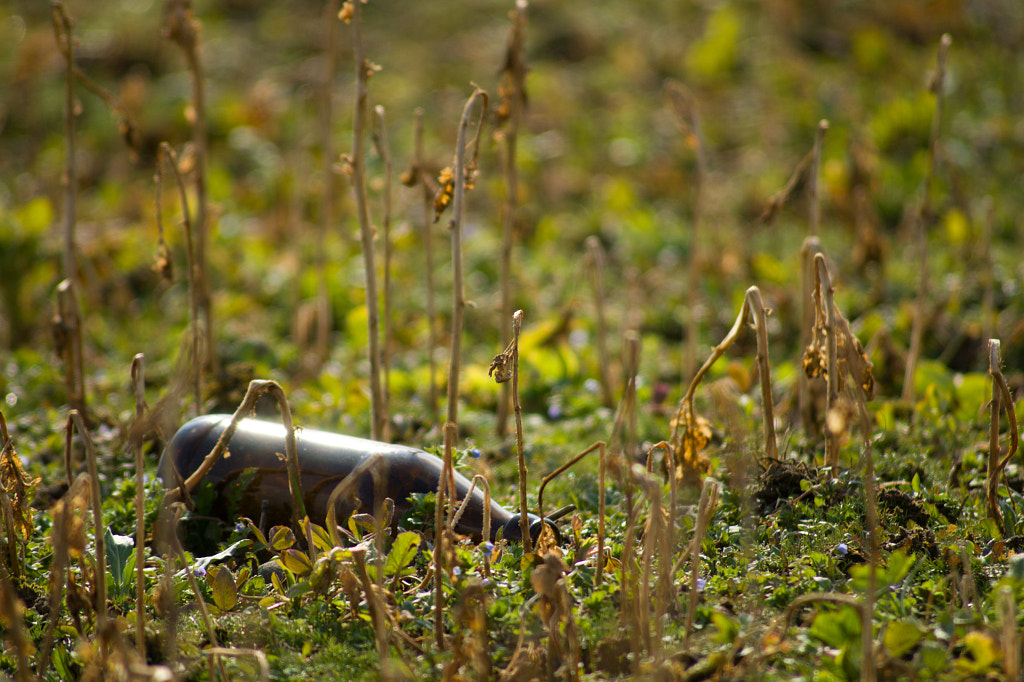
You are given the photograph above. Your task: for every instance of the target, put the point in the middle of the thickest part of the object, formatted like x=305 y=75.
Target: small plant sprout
x=923 y=217
x=1002 y=401
x=690 y=432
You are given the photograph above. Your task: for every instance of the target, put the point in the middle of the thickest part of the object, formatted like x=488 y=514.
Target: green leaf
x=839 y=628
x=728 y=627
x=901 y=636
x=295 y=561
x=403 y=551
x=222 y=584
x=321 y=538
x=281 y=538
x=982 y=651
x=119 y=548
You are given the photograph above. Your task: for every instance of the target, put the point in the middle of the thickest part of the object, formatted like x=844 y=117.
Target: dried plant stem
x=12 y=612
x=446 y=486
x=138 y=374
x=58 y=567
x=255 y=654
x=194 y=285
x=752 y=307
x=686 y=111
x=378 y=415
x=376 y=617
x=66 y=43
x=327 y=200
x=177 y=509
x=183 y=29
x=812 y=186
x=810 y=248
x=514 y=91
x=524 y=521
x=69 y=312
x=557 y=472
x=923 y=218
x=988 y=313
x=68 y=331
x=380 y=138
x=75 y=421
x=1001 y=401
x=705 y=509
x=596 y=259
x=257 y=388
x=428 y=251
x=823 y=292
x=343 y=489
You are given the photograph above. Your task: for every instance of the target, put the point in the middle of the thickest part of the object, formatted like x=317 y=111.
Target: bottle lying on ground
x=325 y=459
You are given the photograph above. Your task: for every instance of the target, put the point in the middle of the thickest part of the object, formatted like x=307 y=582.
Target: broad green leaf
x=403 y=551
x=281 y=538
x=321 y=539
x=728 y=627
x=222 y=584
x=118 y=549
x=901 y=636
x=295 y=561
x=839 y=628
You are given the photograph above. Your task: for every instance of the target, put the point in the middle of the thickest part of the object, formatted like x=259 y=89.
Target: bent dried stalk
x=138 y=374
x=683 y=434
x=1002 y=401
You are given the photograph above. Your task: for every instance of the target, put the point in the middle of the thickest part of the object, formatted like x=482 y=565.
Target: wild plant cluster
x=804 y=532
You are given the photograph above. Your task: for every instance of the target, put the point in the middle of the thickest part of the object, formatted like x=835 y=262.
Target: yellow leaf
x=295 y=561
x=225 y=594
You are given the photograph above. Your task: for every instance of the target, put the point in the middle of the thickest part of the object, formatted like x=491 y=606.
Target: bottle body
x=253 y=472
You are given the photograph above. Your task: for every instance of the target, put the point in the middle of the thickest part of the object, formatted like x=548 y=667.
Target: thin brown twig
x=922 y=219
x=357 y=161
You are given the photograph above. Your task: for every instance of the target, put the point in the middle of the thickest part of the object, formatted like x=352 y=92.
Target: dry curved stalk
x=380 y=142
x=257 y=387
x=1001 y=401
x=554 y=474
x=342 y=489
x=685 y=435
